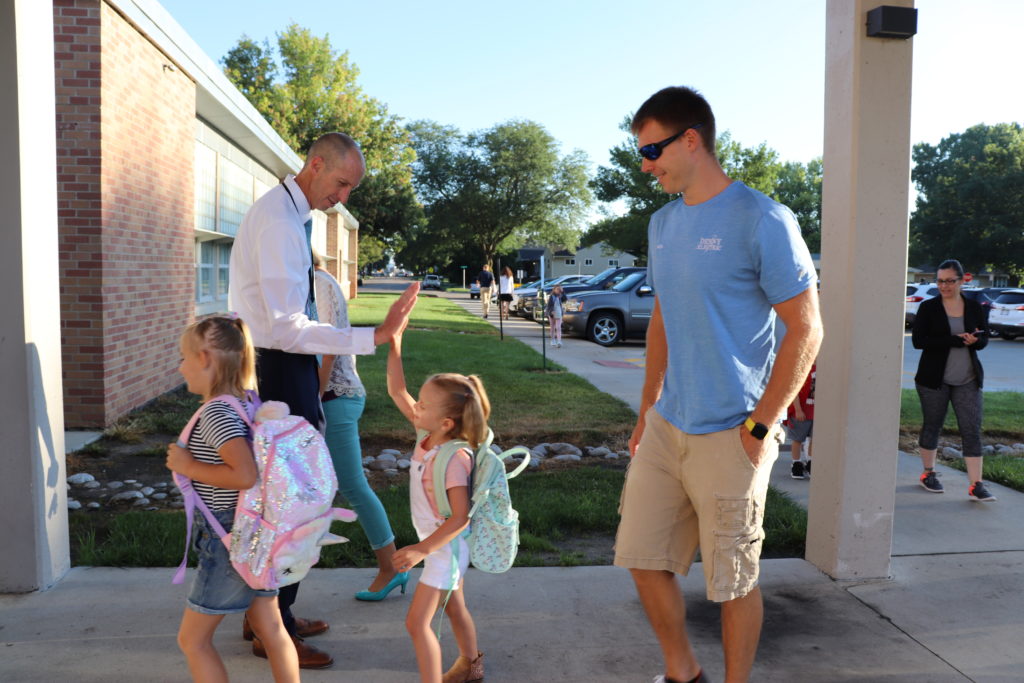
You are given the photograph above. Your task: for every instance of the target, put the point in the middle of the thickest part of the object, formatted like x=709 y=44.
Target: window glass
x=613 y=262
x=223 y=260
x=236 y=188
x=206 y=188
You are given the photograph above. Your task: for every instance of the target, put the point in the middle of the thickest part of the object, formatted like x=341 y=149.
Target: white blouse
x=332 y=308
x=505 y=285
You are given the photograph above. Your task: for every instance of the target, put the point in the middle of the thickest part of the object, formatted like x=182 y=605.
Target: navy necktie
x=311 y=299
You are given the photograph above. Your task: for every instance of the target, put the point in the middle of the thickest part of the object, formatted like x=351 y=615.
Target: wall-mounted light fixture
x=889 y=21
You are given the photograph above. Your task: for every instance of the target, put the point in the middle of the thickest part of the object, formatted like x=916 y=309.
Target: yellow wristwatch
x=756 y=429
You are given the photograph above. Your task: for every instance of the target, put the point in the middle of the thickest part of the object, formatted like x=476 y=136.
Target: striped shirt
x=218 y=423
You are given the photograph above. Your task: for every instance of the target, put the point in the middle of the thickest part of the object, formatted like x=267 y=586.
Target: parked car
x=527 y=294
x=917 y=293
x=985 y=296
x=513 y=306
x=432 y=282
x=606 y=279
x=1007 y=315
x=474 y=291
x=608 y=316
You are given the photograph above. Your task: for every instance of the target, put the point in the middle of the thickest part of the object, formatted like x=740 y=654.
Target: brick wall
x=126 y=121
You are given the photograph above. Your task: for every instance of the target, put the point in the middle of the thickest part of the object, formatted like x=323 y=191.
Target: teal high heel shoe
x=399 y=579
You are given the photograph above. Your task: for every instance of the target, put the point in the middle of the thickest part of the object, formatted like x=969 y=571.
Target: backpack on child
x=281 y=522
x=494 y=525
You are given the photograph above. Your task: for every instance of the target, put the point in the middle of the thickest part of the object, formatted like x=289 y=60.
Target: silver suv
x=608 y=316
x=1007 y=314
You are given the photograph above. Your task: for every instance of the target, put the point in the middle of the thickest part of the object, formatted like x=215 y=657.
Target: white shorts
x=437 y=568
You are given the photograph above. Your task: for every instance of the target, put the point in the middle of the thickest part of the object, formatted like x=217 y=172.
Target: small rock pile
x=1016 y=450
x=86 y=492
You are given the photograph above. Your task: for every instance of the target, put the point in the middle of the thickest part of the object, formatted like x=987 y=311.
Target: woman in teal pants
x=344 y=398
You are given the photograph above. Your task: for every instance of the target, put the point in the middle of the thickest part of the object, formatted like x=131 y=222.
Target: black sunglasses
x=653 y=150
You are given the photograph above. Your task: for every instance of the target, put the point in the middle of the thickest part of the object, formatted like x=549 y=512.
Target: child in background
x=217 y=358
x=554 y=311
x=450 y=406
x=799 y=423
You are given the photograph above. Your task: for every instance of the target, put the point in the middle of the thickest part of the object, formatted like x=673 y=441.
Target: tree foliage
x=495 y=190
x=971 y=201
x=315 y=91
x=796 y=185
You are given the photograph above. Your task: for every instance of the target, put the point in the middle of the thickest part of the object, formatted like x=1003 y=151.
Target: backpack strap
x=188 y=492
x=440 y=469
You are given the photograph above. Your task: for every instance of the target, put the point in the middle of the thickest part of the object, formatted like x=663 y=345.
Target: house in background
x=584 y=261
x=158 y=158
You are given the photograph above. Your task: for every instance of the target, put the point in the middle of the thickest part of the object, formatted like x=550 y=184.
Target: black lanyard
x=312 y=291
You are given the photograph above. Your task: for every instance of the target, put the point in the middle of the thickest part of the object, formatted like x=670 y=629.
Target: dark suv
x=606 y=279
x=608 y=316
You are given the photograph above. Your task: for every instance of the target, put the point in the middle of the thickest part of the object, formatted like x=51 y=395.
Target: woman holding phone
x=950 y=330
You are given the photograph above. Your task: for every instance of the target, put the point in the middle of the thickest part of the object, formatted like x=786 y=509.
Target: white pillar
x=863 y=265
x=33 y=499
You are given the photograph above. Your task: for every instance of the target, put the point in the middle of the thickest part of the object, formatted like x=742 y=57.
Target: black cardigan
x=932 y=335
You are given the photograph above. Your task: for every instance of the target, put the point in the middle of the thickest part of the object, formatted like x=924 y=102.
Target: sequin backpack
x=493 y=536
x=281 y=522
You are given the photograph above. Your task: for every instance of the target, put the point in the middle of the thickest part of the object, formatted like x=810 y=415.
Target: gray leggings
x=966 y=400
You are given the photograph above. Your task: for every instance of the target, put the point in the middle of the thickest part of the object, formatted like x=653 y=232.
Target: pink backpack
x=281 y=522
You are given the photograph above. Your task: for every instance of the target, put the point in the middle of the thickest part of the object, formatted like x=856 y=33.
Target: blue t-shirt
x=719 y=267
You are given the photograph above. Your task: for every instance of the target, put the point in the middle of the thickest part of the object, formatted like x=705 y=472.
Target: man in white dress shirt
x=271 y=276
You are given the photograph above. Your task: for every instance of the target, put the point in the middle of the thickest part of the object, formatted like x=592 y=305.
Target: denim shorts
x=217 y=587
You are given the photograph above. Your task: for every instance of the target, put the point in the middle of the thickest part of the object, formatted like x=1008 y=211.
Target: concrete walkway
x=952 y=611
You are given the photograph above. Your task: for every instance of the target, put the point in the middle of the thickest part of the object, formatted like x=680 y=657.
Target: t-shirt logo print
x=710 y=244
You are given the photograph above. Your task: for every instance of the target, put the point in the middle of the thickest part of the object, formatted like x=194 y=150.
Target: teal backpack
x=494 y=525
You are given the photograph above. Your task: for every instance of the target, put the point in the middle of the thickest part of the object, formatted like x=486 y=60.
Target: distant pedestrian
x=554 y=311
x=486 y=280
x=950 y=329
x=506 y=285
x=799 y=425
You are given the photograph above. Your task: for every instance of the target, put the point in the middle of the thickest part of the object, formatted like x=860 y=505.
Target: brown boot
x=305 y=628
x=465 y=671
x=309 y=656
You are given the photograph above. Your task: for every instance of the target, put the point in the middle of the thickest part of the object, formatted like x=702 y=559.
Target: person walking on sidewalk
x=799 y=425
x=950 y=329
x=271 y=288
x=554 y=311
x=486 y=280
x=506 y=285
x=701 y=459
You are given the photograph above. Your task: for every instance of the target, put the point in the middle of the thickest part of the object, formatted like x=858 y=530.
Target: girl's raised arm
x=396 y=379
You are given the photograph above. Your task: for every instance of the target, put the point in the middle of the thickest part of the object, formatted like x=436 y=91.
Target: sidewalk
x=953 y=611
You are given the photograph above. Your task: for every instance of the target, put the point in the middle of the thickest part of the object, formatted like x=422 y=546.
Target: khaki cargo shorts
x=685 y=491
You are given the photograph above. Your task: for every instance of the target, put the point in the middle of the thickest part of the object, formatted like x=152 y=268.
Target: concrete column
x=863 y=264
x=33 y=498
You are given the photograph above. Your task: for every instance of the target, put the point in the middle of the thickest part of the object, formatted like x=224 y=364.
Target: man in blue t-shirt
x=727 y=261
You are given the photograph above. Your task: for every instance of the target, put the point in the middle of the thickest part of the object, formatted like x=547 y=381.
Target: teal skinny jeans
x=342 y=437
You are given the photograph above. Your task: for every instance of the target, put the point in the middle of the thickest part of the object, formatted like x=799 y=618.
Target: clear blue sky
x=579 y=66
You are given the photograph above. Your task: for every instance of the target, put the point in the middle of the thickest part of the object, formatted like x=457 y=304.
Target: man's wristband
x=756 y=429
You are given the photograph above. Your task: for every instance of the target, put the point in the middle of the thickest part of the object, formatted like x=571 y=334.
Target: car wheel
x=605 y=329
x=1007 y=336
x=474 y=296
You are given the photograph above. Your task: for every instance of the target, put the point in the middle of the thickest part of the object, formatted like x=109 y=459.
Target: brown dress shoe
x=465 y=671
x=305 y=628
x=309 y=656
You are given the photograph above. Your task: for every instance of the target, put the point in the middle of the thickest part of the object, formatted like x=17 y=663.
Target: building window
x=588 y=262
x=206 y=188
x=236 y=190
x=613 y=262
x=212 y=259
x=570 y=262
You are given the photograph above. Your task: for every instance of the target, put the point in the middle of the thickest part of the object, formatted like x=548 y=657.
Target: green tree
x=970 y=204
x=798 y=186
x=371 y=252
x=316 y=91
x=496 y=189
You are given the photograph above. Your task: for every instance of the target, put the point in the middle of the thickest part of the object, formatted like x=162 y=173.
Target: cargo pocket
x=734 y=513
x=736 y=562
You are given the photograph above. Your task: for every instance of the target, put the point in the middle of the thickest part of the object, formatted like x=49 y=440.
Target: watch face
x=759 y=431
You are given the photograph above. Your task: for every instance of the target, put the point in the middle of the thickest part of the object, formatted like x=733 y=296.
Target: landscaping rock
x=564 y=449
x=140 y=502
x=1003 y=449
x=93 y=505
x=91 y=485
x=126 y=495
x=598 y=452
x=81 y=478
x=952 y=453
x=392 y=452
x=404 y=464
x=115 y=485
x=131 y=481
x=159 y=496
x=568 y=457
x=611 y=456
x=988 y=449
x=176 y=504
x=74 y=504
x=146 y=490
x=367 y=459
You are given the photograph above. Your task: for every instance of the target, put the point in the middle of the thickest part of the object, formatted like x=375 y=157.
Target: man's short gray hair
x=333 y=147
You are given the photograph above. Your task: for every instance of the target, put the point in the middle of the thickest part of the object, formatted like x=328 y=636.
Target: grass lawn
x=1003 y=414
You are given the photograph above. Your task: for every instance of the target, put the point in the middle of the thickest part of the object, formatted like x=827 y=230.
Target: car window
x=1010 y=298
x=600 y=276
x=911 y=289
x=932 y=291
x=629 y=281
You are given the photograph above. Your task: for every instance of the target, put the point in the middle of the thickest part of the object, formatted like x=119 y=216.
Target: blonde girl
x=450 y=406
x=217 y=358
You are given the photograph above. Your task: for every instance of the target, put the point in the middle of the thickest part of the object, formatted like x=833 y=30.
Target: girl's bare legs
x=265 y=619
x=424 y=642
x=463 y=627
x=195 y=638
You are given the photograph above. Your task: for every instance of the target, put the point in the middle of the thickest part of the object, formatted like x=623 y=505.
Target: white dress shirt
x=269 y=280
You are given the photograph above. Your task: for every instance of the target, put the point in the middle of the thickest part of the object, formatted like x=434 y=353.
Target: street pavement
x=952 y=610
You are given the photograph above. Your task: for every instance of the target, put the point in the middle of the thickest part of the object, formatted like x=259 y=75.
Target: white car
x=1007 y=314
x=432 y=282
x=915 y=295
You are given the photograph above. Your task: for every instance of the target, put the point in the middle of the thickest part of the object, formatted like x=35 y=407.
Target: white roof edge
x=218 y=101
